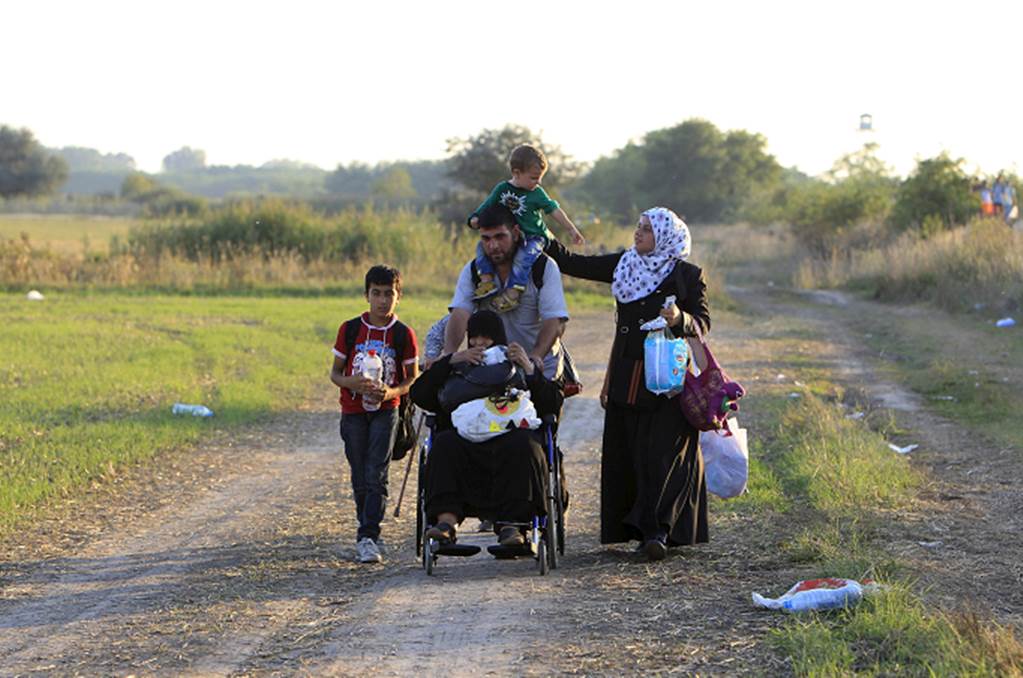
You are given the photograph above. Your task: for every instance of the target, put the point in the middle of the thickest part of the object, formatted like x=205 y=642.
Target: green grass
x=892 y=633
x=86 y=382
x=972 y=375
x=66 y=233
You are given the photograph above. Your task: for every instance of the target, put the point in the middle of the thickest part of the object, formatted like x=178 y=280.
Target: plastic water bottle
x=194 y=410
x=372 y=368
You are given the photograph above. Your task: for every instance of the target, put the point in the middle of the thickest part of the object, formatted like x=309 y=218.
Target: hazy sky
x=330 y=82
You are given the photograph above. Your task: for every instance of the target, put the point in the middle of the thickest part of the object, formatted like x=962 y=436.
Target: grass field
x=831 y=482
x=87 y=382
x=66 y=233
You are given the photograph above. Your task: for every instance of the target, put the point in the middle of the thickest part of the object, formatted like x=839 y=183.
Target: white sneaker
x=368 y=551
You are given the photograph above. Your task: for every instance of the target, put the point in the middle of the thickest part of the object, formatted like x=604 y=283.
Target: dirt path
x=238 y=561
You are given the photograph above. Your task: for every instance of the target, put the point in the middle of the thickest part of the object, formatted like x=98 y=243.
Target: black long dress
x=652 y=478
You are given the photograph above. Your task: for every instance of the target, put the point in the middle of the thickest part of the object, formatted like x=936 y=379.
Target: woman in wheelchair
x=502 y=477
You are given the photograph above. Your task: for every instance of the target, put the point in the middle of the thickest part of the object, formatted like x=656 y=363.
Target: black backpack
x=405 y=436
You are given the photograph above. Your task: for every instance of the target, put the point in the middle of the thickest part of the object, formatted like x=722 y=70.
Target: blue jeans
x=368 y=440
x=527 y=254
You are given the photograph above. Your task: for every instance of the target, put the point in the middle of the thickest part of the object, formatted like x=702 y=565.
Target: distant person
x=987 y=205
x=998 y=195
x=369 y=408
x=652 y=485
x=1009 y=207
x=523 y=195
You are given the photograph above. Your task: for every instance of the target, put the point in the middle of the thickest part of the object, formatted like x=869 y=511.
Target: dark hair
x=496 y=215
x=485 y=323
x=526 y=157
x=388 y=276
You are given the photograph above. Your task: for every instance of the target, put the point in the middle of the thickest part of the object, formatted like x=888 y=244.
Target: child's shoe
x=368 y=551
x=484 y=289
x=508 y=300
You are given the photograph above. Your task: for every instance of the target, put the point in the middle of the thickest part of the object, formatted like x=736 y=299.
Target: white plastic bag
x=817 y=594
x=725 y=460
x=485 y=418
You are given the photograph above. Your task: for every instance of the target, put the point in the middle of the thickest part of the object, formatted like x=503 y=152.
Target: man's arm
x=550 y=330
x=454 y=333
x=403 y=388
x=460 y=308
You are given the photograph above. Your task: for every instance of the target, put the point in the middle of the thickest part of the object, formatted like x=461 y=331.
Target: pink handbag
x=709 y=397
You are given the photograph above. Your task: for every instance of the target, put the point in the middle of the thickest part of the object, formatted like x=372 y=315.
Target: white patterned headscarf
x=637 y=275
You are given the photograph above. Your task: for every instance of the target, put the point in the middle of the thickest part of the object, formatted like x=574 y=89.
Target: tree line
x=705 y=173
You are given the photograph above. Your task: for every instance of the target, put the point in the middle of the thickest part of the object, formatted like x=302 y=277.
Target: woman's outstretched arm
x=599 y=267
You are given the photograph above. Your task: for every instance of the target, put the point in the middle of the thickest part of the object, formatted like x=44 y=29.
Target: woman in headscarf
x=652 y=482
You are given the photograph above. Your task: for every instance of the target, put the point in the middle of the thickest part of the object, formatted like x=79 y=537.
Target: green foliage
x=272 y=228
x=157 y=200
x=480 y=162
x=394 y=186
x=81 y=159
x=358 y=183
x=185 y=159
x=858 y=192
x=26 y=167
x=696 y=169
x=936 y=196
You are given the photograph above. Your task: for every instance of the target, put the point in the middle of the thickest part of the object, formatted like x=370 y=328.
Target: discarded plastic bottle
x=1005 y=322
x=194 y=410
x=372 y=368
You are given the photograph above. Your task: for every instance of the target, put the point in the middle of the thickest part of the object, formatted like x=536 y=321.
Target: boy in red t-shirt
x=369 y=408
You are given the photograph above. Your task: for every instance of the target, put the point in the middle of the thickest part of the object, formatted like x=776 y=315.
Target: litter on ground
x=818 y=594
x=903 y=450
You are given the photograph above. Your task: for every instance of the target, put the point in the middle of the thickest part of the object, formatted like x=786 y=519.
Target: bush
x=936 y=196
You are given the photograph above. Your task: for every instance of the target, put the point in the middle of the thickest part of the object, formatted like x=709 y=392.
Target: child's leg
x=355 y=433
x=529 y=251
x=381 y=430
x=485 y=269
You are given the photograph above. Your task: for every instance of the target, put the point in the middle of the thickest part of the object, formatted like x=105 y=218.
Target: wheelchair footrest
x=507 y=552
x=462 y=550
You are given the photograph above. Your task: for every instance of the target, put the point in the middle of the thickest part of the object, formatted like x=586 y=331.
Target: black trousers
x=503 y=479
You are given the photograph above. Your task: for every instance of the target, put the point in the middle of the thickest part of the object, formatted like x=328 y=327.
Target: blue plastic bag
x=665 y=359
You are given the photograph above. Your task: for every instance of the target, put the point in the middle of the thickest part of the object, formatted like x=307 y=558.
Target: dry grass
x=981 y=263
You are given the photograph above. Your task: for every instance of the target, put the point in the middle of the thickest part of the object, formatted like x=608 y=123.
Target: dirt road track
x=242 y=564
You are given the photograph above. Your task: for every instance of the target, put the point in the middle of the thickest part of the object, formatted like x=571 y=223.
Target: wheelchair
x=547 y=533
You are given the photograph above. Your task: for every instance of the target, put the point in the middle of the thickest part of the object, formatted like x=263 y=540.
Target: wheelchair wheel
x=543 y=564
x=429 y=558
x=550 y=535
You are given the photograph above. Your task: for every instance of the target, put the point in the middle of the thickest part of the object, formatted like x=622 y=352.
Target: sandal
x=505 y=303
x=442 y=532
x=484 y=289
x=510 y=536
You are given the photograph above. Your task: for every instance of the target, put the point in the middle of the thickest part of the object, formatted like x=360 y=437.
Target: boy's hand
x=358 y=383
x=578 y=238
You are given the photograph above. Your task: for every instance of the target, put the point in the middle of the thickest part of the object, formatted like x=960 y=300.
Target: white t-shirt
x=522 y=324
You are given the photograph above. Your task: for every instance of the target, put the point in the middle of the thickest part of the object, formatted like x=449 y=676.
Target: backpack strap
x=398 y=341
x=352 y=335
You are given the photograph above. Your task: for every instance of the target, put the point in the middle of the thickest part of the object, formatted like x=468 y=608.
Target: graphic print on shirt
x=386 y=354
x=516 y=203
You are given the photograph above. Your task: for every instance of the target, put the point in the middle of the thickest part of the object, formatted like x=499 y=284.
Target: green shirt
x=527 y=206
